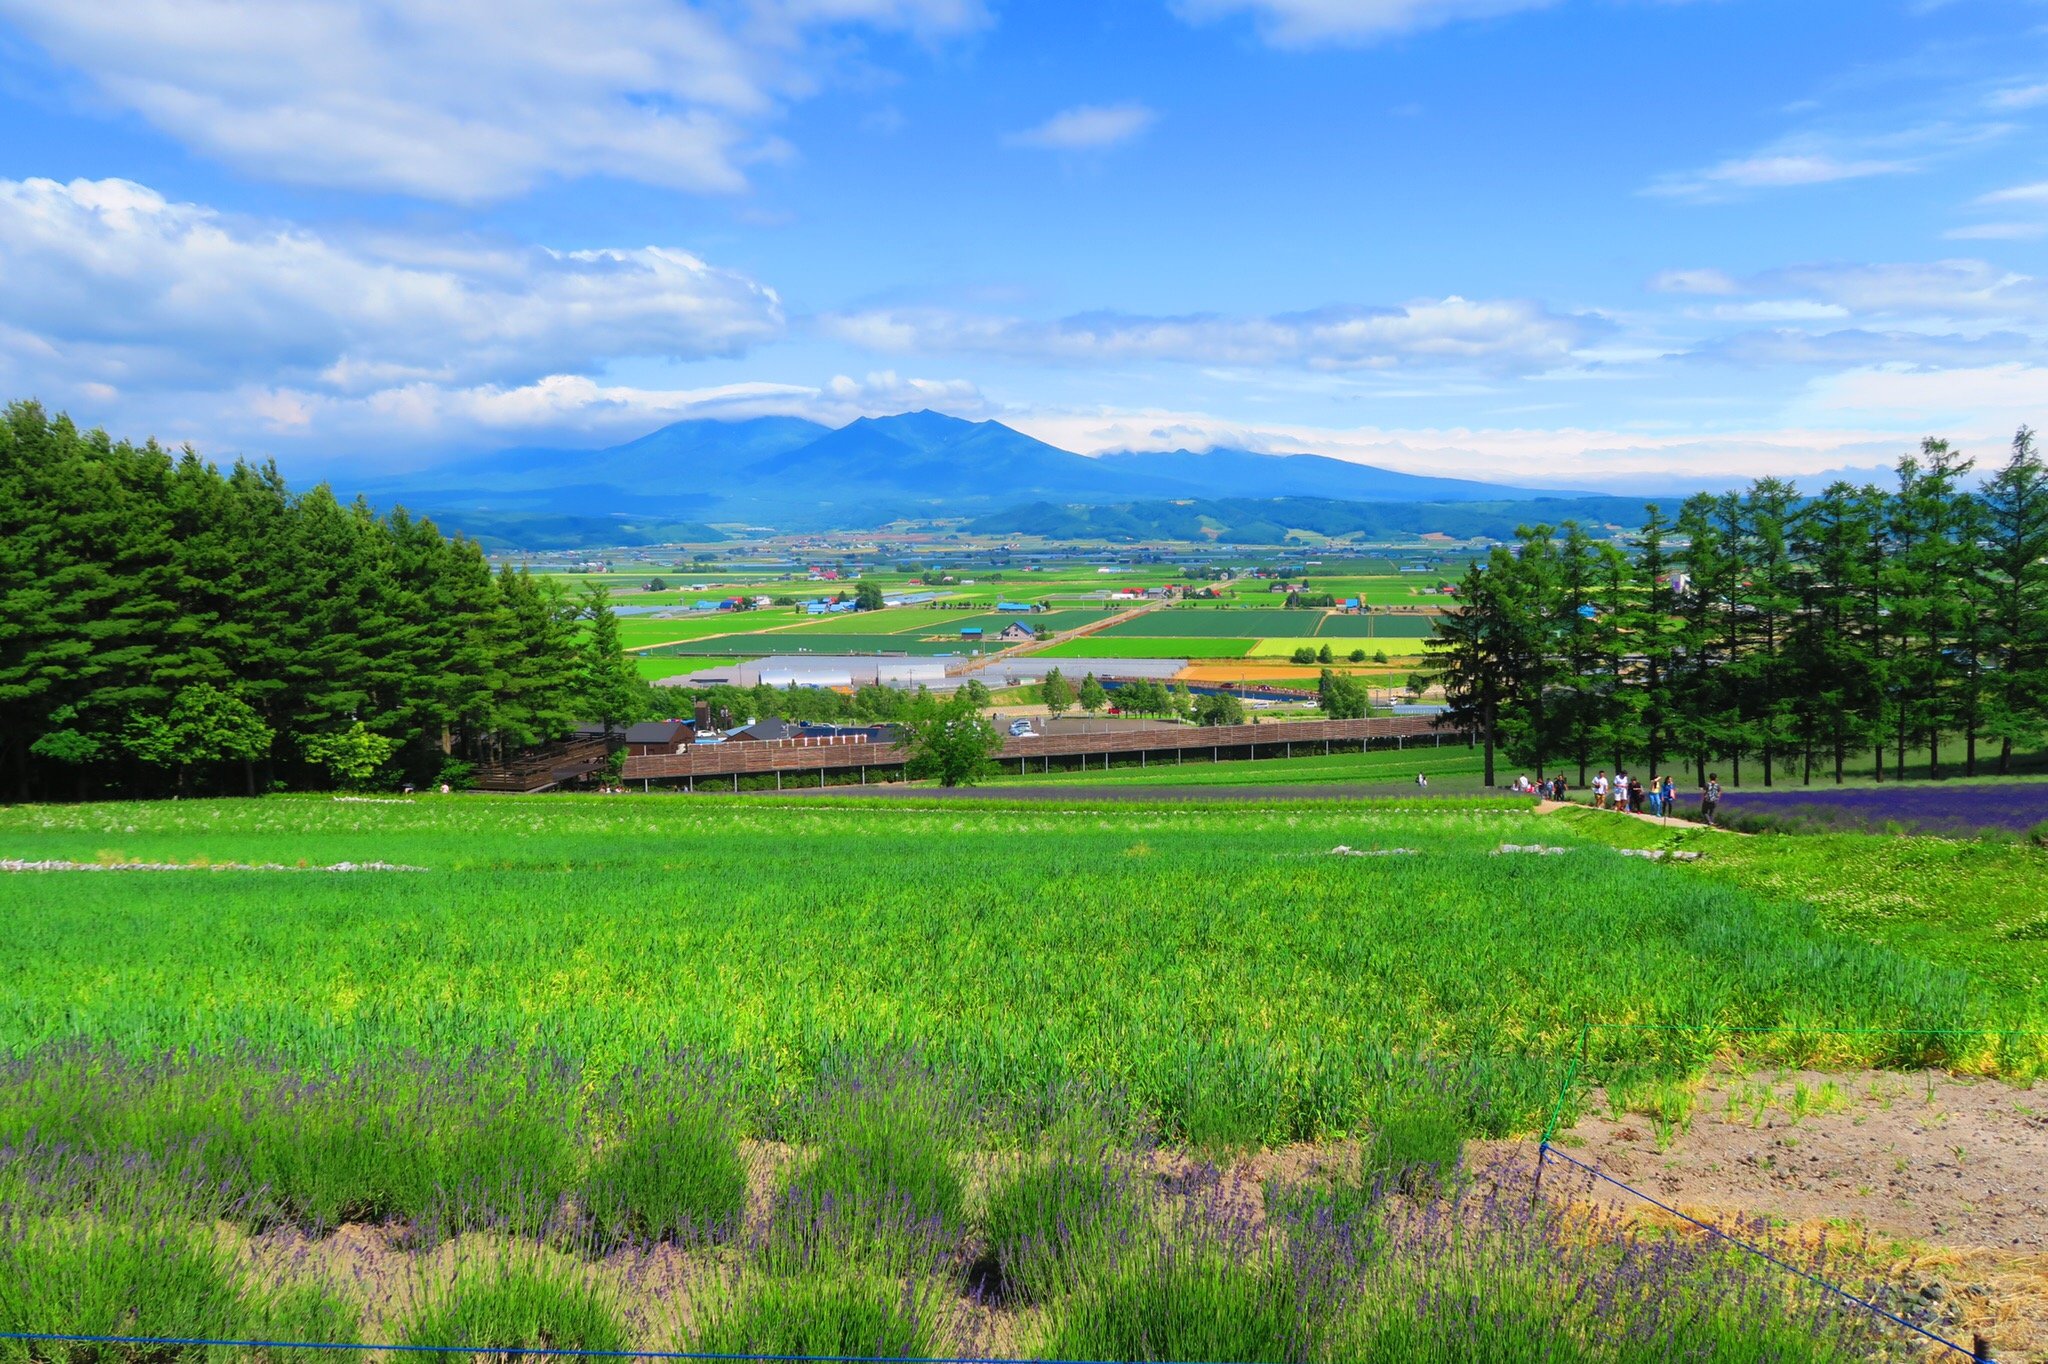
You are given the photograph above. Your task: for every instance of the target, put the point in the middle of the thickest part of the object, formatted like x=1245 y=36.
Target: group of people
x=1630 y=796
x=1624 y=793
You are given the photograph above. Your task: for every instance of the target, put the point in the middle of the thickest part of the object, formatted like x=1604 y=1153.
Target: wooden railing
x=547 y=765
x=740 y=758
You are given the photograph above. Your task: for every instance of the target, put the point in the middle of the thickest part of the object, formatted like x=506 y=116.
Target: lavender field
x=1925 y=809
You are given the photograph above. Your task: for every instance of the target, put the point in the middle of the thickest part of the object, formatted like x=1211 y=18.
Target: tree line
x=169 y=626
x=1796 y=634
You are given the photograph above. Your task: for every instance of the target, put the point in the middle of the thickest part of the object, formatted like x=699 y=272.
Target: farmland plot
x=880 y=1056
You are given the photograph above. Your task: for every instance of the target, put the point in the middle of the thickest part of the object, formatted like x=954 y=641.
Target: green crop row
x=1220 y=971
x=879 y=1236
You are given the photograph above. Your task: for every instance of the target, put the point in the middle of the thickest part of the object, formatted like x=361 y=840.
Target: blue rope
x=1546 y=1150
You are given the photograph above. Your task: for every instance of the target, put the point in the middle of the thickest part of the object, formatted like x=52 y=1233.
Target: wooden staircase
x=544 y=766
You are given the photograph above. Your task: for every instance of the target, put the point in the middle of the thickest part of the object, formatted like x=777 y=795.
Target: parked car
x=1021 y=729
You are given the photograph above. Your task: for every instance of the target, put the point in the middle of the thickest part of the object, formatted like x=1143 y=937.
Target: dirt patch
x=1943 y=1179
x=1930 y=1157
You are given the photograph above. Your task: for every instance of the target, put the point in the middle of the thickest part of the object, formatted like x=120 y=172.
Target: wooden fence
x=736 y=759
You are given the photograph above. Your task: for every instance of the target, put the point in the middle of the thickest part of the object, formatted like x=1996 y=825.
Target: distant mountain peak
x=798 y=474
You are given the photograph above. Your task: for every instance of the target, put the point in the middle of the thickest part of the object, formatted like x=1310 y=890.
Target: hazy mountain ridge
x=799 y=475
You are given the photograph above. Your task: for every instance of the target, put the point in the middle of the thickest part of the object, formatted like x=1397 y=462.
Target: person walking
x=1620 y=791
x=1710 y=799
x=1653 y=797
x=1635 y=795
x=1670 y=795
x=1600 y=790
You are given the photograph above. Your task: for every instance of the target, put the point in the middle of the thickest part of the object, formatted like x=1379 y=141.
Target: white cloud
x=2036 y=193
x=1088 y=127
x=119 y=285
x=1503 y=335
x=390 y=426
x=1304 y=23
x=1778 y=310
x=1771 y=170
x=2020 y=97
x=1827 y=158
x=1994 y=397
x=1713 y=282
x=1997 y=232
x=468 y=99
x=1924 y=289
x=1555 y=456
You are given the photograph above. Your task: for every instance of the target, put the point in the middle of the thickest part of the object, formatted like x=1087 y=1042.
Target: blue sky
x=1581 y=241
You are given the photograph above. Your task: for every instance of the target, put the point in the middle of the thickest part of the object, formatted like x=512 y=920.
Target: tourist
x=1635 y=795
x=1653 y=798
x=1710 y=798
x=1670 y=794
x=1600 y=790
x=1421 y=779
x=1620 y=791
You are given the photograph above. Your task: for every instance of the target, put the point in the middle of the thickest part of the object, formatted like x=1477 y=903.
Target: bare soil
x=1944 y=1178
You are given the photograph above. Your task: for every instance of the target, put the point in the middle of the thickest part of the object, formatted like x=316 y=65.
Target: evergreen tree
x=613 y=693
x=1481 y=661
x=1092 y=697
x=2014 y=592
x=1056 y=694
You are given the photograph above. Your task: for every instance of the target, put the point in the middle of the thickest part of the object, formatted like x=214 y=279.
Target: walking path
x=1544 y=807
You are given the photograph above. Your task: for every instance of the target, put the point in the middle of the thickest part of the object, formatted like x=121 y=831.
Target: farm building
x=1017 y=632
x=972 y=632
x=1009 y=607
x=659 y=736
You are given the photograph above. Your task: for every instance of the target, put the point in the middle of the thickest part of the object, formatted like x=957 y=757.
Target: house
x=1017 y=632
x=659 y=736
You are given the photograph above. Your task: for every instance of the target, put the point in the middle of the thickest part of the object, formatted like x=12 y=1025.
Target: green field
x=1102 y=645
x=530 y=1065
x=940 y=622
x=1380 y=626
x=656 y=666
x=814 y=642
x=1193 y=622
x=639 y=632
x=634 y=950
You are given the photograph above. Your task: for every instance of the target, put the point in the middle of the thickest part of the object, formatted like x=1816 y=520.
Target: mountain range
x=792 y=474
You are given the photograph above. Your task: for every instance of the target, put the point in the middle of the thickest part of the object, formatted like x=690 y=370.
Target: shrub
x=883 y=1183
x=1060 y=1219
x=679 y=1178
x=1196 y=1303
x=529 y=1301
x=157 y=1277
x=1418 y=1140
x=823 y=1314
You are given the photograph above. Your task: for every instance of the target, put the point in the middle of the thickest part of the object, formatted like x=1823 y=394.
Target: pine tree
x=1055 y=694
x=1481 y=661
x=2014 y=592
x=612 y=692
x=1092 y=697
